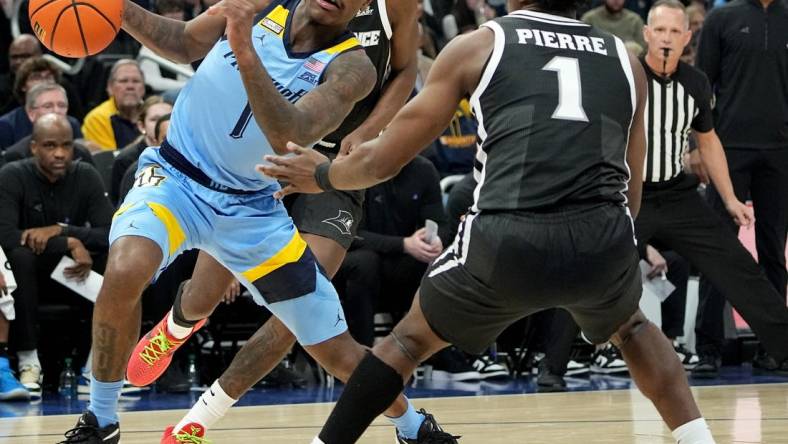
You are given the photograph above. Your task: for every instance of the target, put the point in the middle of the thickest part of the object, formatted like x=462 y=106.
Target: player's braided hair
x=560 y=5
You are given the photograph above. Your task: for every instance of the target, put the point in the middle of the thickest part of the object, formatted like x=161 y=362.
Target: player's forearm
x=163 y=35
x=280 y=120
x=713 y=157
x=176 y=40
x=395 y=94
x=361 y=169
x=380 y=159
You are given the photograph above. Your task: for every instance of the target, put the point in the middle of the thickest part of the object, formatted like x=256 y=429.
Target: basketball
x=76 y=29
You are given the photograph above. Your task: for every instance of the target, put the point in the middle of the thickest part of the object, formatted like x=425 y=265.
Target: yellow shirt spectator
x=112 y=124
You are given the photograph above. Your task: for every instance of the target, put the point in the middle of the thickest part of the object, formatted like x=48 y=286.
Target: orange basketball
x=76 y=28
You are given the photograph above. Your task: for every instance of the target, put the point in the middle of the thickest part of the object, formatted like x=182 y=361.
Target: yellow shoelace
x=191 y=437
x=159 y=346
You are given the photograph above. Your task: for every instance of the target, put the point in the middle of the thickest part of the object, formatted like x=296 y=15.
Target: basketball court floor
x=740 y=408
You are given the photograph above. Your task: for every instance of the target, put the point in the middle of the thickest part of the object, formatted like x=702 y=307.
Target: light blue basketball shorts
x=250 y=234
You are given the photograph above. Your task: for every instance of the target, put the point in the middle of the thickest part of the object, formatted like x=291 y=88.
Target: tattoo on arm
x=349 y=78
x=162 y=35
x=176 y=40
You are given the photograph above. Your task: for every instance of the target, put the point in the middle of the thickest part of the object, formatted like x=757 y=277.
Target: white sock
x=211 y=407
x=317 y=441
x=693 y=432
x=28 y=358
x=176 y=330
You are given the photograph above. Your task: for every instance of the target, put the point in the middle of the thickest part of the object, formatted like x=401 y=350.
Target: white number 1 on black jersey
x=570 y=93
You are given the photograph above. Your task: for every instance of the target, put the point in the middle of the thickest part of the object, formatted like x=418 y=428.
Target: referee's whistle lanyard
x=665 y=52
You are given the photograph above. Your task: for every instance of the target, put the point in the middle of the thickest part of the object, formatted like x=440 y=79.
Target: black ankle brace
x=177 y=313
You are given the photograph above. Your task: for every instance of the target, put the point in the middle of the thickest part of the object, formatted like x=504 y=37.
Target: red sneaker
x=191 y=433
x=153 y=354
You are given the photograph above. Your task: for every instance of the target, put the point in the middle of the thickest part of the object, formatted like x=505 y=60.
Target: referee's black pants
x=763 y=176
x=678 y=218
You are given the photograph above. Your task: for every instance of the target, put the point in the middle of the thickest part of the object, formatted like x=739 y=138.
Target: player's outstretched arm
x=179 y=41
x=422 y=120
x=348 y=79
x=636 y=150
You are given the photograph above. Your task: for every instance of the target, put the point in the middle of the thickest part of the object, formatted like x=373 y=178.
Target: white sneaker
x=576 y=368
x=489 y=369
x=30 y=376
x=688 y=359
x=608 y=360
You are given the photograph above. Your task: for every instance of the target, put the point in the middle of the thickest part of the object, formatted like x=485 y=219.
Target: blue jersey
x=212 y=124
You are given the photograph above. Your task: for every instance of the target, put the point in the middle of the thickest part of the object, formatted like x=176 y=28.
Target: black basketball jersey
x=554 y=104
x=373 y=29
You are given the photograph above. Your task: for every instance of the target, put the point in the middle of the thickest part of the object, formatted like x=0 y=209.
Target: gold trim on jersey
x=276 y=20
x=350 y=43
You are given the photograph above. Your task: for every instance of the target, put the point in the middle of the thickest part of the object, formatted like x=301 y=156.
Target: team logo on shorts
x=342 y=222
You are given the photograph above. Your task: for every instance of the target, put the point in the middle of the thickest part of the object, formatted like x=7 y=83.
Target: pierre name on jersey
x=560 y=40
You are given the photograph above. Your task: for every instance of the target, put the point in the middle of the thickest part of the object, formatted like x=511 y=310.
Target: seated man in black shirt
x=50 y=206
x=390 y=254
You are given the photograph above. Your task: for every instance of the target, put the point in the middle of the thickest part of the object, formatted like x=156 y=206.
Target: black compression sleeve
x=371 y=389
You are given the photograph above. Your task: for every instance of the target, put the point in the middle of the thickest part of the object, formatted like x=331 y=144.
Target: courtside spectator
x=112 y=124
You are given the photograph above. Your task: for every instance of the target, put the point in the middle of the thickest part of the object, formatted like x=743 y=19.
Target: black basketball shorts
x=504 y=266
x=334 y=215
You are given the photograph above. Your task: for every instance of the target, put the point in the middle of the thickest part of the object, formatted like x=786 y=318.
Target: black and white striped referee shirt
x=676 y=104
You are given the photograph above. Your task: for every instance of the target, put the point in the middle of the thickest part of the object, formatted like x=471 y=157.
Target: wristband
x=321 y=177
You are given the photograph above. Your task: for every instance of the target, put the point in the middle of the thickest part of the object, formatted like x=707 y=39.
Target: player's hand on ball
x=298 y=170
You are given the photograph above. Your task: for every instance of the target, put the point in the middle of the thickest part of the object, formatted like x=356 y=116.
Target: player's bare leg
x=131 y=264
x=268 y=346
x=203 y=293
x=659 y=374
x=380 y=378
x=650 y=357
x=271 y=342
x=154 y=351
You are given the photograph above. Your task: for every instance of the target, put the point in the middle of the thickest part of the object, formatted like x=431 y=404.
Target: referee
x=672 y=213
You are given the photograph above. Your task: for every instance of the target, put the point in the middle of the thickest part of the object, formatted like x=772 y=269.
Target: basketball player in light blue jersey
x=273 y=71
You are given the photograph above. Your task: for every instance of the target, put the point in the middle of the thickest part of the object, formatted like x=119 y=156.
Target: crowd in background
x=69 y=143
